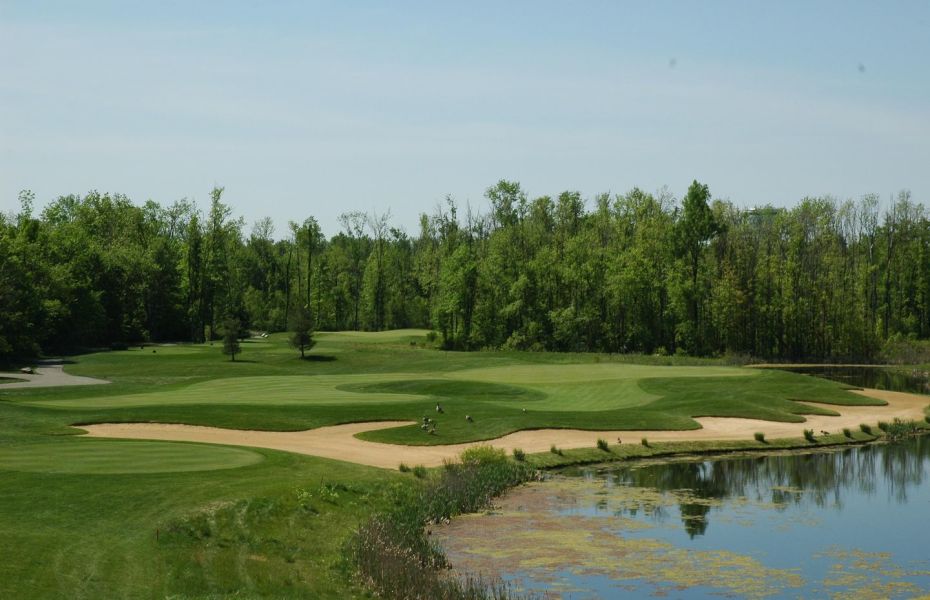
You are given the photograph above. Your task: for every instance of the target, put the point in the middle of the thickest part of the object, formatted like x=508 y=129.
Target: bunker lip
x=338 y=442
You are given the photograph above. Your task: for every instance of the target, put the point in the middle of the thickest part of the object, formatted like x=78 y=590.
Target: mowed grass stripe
x=272 y=390
x=110 y=457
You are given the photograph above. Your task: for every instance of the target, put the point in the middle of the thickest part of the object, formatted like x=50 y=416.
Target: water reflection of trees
x=873 y=377
x=820 y=479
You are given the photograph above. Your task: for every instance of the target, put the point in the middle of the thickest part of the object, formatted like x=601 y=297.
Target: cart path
x=50 y=373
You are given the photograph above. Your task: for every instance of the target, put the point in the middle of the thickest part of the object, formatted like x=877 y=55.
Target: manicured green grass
x=108 y=518
x=383 y=376
x=96 y=457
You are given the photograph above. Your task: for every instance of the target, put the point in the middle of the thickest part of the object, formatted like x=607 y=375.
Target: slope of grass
x=209 y=533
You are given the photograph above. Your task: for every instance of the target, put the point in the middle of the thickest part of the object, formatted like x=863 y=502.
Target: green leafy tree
x=302 y=336
x=695 y=228
x=231 y=347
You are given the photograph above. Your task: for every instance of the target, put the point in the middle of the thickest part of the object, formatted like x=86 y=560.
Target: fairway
x=300 y=390
x=101 y=457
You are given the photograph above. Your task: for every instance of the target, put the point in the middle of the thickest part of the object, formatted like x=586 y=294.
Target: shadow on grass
x=318 y=358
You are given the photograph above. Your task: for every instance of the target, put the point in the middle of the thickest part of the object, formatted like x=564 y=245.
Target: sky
x=317 y=108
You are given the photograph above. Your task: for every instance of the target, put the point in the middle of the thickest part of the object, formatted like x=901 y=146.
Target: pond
x=896 y=379
x=847 y=522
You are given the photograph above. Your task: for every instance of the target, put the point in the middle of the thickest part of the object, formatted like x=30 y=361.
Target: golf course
x=246 y=477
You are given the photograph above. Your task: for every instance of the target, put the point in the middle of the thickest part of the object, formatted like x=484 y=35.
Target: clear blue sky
x=302 y=108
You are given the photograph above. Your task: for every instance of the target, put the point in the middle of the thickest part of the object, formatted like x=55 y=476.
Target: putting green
x=591 y=387
x=106 y=457
x=586 y=373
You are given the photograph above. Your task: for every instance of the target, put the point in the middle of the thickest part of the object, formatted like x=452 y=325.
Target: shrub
x=644 y=442
x=403 y=468
x=760 y=437
x=602 y=445
x=883 y=425
x=484 y=454
x=419 y=472
x=899 y=429
x=519 y=455
x=809 y=436
x=866 y=428
x=847 y=432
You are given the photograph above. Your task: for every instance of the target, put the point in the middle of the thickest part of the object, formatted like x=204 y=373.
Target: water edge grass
x=392 y=553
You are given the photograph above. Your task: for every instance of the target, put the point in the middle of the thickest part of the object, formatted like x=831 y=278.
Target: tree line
x=634 y=272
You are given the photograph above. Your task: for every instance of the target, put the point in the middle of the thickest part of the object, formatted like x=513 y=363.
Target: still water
x=846 y=523
x=880 y=378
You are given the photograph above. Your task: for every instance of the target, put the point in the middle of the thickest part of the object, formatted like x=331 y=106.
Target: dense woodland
x=637 y=272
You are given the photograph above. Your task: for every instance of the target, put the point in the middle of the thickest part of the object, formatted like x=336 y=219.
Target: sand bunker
x=339 y=441
x=50 y=374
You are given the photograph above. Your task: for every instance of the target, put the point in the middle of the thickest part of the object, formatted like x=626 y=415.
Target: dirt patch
x=339 y=441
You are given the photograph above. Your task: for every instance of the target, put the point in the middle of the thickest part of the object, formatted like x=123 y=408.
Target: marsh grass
x=883 y=426
x=809 y=436
x=403 y=468
x=393 y=554
x=519 y=455
x=759 y=436
x=602 y=445
x=865 y=428
x=644 y=442
x=900 y=428
x=555 y=450
x=847 y=432
x=419 y=472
